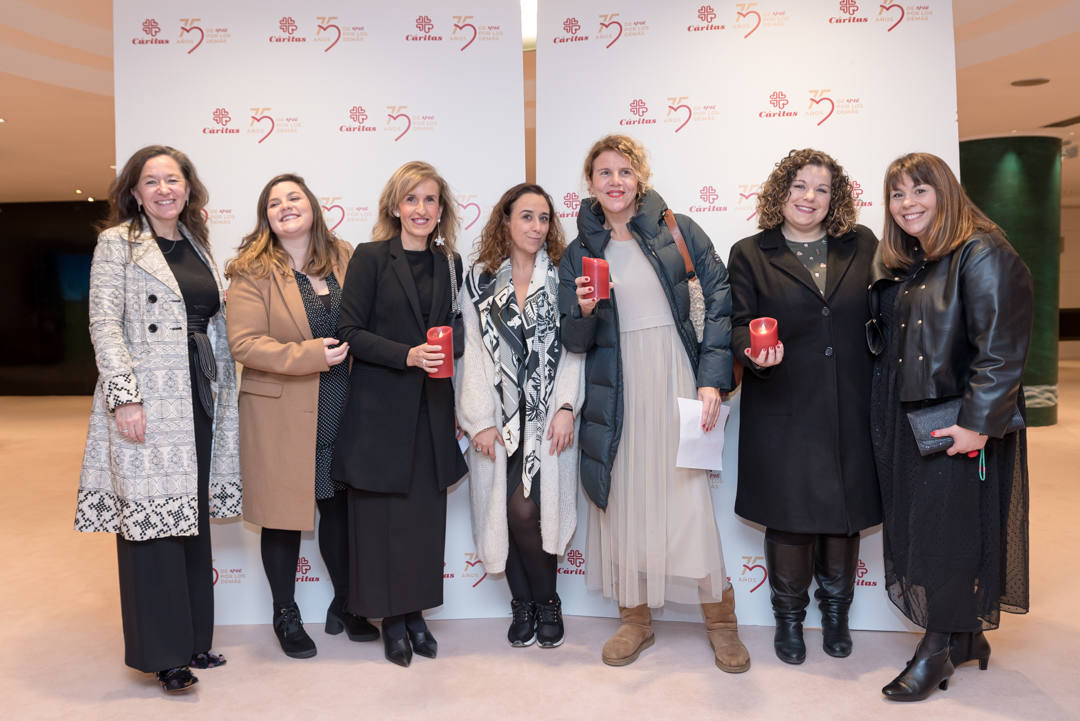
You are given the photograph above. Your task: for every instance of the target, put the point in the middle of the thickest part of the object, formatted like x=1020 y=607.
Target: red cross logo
x=357 y=114
x=287 y=25
x=221 y=116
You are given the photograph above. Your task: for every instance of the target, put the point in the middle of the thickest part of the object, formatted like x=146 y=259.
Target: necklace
x=161 y=244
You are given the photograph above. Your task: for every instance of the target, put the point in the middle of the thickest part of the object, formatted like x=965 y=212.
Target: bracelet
x=566 y=407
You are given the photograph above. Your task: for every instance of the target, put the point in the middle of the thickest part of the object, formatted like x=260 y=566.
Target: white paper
x=698 y=449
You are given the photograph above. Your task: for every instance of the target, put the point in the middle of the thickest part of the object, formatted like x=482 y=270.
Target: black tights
x=281 y=551
x=530 y=570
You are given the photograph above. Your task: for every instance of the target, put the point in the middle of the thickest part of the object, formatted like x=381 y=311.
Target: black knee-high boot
x=790 y=569
x=836 y=559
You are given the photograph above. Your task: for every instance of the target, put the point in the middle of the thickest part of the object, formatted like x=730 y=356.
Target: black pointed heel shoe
x=423 y=643
x=357 y=628
x=920 y=677
x=970 y=646
x=397 y=650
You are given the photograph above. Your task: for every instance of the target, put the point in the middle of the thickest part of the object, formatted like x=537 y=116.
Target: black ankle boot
x=290 y=632
x=522 y=631
x=789 y=569
x=927 y=670
x=836 y=558
x=356 y=627
x=549 y=623
x=969 y=646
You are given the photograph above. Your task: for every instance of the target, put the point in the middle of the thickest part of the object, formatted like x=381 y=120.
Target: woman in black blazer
x=396 y=448
x=809 y=269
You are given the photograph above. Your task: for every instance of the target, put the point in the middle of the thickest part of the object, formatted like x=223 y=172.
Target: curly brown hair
x=774 y=194
x=494 y=245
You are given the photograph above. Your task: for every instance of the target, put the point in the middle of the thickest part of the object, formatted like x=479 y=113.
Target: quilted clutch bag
x=943 y=415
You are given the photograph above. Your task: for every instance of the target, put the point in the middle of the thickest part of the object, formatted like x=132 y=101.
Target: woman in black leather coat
x=952 y=306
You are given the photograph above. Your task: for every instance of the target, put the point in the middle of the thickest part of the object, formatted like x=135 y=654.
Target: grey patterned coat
x=138 y=325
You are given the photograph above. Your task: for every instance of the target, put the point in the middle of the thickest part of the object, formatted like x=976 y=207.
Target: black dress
x=397 y=540
x=955 y=547
x=166 y=584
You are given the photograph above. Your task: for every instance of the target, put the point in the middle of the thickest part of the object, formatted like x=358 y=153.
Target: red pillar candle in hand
x=762 y=335
x=596 y=269
x=443 y=336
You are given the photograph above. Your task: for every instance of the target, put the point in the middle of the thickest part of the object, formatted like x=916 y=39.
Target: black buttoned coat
x=805 y=460
x=381 y=320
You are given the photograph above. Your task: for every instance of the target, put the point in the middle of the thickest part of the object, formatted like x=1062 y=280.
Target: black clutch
x=943 y=415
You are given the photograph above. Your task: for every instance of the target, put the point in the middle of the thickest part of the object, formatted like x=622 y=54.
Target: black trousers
x=167 y=584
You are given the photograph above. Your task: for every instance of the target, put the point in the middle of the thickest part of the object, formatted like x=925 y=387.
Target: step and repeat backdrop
x=718 y=92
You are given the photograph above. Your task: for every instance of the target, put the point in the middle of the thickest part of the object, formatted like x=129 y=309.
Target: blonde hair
x=955 y=219
x=404 y=179
x=630 y=149
x=261 y=251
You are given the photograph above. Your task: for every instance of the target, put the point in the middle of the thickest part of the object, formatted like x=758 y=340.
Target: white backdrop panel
x=718 y=93
x=342 y=97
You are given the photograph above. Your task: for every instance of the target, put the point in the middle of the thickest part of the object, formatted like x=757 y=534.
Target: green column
x=1016 y=180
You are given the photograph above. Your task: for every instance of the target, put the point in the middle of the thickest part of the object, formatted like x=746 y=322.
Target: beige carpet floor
x=61 y=650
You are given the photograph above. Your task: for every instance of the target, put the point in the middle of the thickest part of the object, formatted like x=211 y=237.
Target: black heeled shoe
x=174 y=680
x=206 y=660
x=920 y=677
x=969 y=646
x=357 y=628
x=397 y=650
x=423 y=643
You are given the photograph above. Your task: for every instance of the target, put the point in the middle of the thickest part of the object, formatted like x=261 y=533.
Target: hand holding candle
x=763 y=336
x=442 y=336
x=596 y=270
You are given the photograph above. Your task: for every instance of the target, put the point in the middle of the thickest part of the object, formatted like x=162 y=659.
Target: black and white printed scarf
x=524 y=346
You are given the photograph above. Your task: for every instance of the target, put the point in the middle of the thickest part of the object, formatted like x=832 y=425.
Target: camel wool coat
x=279 y=396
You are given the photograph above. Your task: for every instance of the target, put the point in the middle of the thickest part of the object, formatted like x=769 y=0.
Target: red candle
x=443 y=336
x=762 y=335
x=596 y=269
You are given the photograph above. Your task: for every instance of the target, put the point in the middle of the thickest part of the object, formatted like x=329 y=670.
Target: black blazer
x=805 y=459
x=381 y=320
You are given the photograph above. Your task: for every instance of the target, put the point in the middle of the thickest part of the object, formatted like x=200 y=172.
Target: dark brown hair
x=774 y=194
x=955 y=220
x=260 y=250
x=494 y=246
x=124 y=208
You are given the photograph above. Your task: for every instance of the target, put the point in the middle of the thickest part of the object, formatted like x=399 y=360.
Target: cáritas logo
x=706 y=14
x=150 y=31
x=220 y=118
x=287 y=32
x=303 y=568
x=857 y=192
x=571 y=32
x=639 y=109
x=849 y=14
x=357 y=121
x=425 y=26
x=861 y=573
x=574 y=563
x=710 y=196
x=571 y=201
x=778 y=102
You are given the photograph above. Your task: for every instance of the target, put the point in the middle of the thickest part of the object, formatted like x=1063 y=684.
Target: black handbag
x=942 y=415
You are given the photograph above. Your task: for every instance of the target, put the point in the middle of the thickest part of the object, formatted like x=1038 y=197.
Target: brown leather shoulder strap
x=669 y=218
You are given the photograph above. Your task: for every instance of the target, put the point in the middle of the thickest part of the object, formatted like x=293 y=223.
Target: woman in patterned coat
x=161 y=452
x=284 y=300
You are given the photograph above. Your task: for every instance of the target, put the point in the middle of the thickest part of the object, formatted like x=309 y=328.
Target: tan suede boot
x=634 y=636
x=723 y=630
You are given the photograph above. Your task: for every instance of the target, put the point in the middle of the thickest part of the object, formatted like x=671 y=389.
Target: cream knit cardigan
x=480 y=407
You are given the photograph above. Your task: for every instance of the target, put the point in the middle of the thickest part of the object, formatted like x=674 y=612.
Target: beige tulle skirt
x=658 y=539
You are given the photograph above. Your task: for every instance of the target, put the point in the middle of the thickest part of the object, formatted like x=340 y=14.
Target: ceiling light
x=78 y=191
x=90 y=199
x=1029 y=82
x=112 y=167
x=2 y=120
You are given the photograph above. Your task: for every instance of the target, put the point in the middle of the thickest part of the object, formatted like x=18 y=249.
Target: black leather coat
x=598 y=334
x=964 y=325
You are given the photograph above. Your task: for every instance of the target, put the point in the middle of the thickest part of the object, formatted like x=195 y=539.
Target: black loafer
x=398 y=650
x=423 y=643
x=174 y=680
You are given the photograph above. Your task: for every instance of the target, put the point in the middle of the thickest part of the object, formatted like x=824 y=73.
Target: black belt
x=206 y=370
